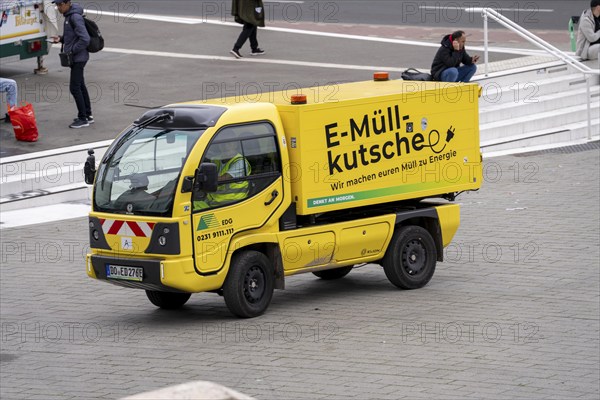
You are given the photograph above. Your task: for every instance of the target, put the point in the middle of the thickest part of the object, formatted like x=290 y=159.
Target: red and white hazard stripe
x=126 y=228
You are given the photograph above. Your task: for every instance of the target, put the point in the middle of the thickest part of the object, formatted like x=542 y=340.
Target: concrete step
x=534 y=72
x=532 y=68
x=573 y=132
x=548 y=102
x=46 y=170
x=78 y=191
x=571 y=144
x=541 y=121
x=520 y=90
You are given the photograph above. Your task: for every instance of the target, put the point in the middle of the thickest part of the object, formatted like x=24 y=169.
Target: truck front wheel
x=410 y=259
x=249 y=286
x=167 y=300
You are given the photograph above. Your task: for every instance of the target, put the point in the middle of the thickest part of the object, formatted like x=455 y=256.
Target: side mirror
x=89 y=168
x=206 y=178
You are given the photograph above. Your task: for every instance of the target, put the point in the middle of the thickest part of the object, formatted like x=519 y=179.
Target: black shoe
x=89 y=119
x=236 y=53
x=6 y=118
x=79 y=123
x=257 y=52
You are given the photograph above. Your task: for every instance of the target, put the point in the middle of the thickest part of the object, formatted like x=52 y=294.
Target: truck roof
x=332 y=93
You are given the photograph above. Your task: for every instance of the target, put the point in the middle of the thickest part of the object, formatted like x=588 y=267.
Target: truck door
x=250 y=189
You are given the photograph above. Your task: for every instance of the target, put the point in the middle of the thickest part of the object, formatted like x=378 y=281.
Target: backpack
x=413 y=74
x=96 y=39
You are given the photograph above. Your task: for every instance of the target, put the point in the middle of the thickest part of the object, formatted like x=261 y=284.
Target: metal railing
x=542 y=44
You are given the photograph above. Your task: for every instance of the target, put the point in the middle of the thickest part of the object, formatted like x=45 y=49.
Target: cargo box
x=374 y=142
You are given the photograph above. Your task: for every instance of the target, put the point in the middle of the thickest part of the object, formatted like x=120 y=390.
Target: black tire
x=410 y=259
x=249 y=285
x=331 y=274
x=167 y=300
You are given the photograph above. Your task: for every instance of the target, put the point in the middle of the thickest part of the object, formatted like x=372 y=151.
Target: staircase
x=543 y=104
x=47 y=177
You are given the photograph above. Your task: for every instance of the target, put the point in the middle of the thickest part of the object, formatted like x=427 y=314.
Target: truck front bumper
x=166 y=275
x=151 y=276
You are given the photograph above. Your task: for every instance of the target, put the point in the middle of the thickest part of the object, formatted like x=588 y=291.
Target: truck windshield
x=140 y=175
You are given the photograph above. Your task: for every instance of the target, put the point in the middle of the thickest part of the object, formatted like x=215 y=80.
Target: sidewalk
x=513 y=312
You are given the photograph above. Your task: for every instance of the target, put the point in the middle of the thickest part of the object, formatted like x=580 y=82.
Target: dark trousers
x=248 y=31
x=79 y=90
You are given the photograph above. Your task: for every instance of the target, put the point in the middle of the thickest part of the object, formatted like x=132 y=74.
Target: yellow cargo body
x=382 y=142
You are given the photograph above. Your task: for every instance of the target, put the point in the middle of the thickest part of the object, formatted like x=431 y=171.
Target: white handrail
x=537 y=41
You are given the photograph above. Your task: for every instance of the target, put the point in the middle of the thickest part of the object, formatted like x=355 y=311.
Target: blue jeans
x=464 y=73
x=10 y=87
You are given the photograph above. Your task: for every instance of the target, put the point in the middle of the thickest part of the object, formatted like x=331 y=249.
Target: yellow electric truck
x=232 y=195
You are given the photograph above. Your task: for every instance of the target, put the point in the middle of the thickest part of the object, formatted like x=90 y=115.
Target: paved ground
x=513 y=313
x=550 y=14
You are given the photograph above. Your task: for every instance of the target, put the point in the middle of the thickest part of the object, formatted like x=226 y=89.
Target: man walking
x=75 y=40
x=251 y=14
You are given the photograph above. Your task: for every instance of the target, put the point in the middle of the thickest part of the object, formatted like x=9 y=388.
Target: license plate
x=124 y=273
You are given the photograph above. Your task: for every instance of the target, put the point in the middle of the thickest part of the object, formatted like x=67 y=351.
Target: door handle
x=274 y=195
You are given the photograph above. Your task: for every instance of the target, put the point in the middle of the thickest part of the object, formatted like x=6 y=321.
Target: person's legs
x=593 y=52
x=253 y=38
x=244 y=35
x=449 y=75
x=466 y=72
x=75 y=86
x=86 y=97
x=10 y=87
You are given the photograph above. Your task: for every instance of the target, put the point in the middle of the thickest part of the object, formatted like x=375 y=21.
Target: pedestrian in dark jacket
x=251 y=14
x=75 y=40
x=446 y=66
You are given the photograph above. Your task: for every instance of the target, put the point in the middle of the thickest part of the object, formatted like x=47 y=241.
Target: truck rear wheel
x=167 y=300
x=337 y=273
x=249 y=286
x=410 y=259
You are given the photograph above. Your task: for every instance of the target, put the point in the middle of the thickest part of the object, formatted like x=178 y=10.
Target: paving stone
x=512 y=313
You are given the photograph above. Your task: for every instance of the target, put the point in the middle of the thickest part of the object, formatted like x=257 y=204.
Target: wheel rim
x=254 y=285
x=414 y=257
